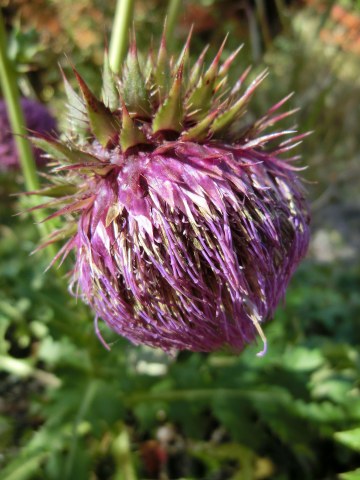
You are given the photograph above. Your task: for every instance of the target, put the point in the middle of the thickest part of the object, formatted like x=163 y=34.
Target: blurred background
x=69 y=409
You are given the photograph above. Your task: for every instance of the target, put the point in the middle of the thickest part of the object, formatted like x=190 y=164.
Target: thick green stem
x=261 y=13
x=172 y=16
x=8 y=81
x=16 y=117
x=120 y=33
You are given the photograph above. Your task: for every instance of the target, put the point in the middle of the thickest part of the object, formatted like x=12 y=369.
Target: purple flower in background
x=37 y=119
x=185 y=222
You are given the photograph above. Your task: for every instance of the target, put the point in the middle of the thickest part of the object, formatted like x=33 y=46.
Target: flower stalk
x=16 y=117
x=9 y=87
x=171 y=18
x=120 y=33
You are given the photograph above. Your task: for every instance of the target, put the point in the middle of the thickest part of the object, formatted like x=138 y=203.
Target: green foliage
x=350 y=438
x=231 y=413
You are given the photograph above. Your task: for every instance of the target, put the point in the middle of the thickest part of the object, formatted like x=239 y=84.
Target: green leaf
x=350 y=438
x=15 y=366
x=354 y=475
x=304 y=359
x=24 y=468
x=214 y=455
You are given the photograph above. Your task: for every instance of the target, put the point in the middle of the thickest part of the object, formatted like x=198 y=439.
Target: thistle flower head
x=37 y=118
x=185 y=222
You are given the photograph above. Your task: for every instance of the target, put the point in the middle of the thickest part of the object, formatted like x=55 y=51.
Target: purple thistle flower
x=186 y=225
x=37 y=118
